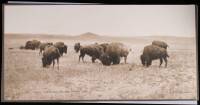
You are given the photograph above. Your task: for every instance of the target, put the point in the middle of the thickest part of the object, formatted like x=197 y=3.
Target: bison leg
x=165 y=59
x=53 y=63
x=148 y=62
x=93 y=59
x=61 y=54
x=58 y=63
x=161 y=61
x=40 y=51
x=81 y=56
x=125 y=59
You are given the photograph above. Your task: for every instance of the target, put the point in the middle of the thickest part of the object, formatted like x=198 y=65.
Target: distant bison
x=152 y=52
x=93 y=50
x=43 y=45
x=113 y=52
x=62 y=47
x=34 y=44
x=49 y=55
x=160 y=44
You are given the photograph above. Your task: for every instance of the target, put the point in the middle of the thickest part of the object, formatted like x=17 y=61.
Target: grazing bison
x=152 y=52
x=160 y=44
x=62 y=47
x=49 y=55
x=93 y=50
x=34 y=44
x=114 y=51
x=43 y=45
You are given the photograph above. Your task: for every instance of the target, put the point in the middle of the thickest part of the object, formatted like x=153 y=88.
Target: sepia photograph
x=99 y=52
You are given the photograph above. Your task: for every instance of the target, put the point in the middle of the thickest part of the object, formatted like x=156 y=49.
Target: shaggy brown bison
x=49 y=55
x=93 y=50
x=34 y=44
x=152 y=52
x=43 y=45
x=160 y=44
x=62 y=47
x=113 y=52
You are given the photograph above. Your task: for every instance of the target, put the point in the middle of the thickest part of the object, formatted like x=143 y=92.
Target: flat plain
x=24 y=77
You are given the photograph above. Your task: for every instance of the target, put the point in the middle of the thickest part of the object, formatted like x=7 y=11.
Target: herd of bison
x=107 y=53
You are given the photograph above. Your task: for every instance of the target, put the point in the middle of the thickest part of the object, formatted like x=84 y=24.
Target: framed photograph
x=99 y=53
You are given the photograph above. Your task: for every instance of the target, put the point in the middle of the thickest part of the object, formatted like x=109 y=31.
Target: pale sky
x=114 y=20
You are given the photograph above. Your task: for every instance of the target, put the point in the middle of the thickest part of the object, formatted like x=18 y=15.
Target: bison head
x=65 y=49
x=105 y=59
x=77 y=47
x=116 y=59
x=45 y=62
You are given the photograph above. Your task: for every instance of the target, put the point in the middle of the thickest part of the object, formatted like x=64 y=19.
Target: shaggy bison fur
x=152 y=52
x=104 y=45
x=43 y=45
x=114 y=51
x=62 y=47
x=49 y=55
x=93 y=50
x=160 y=44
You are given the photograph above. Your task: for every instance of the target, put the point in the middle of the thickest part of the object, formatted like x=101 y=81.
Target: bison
x=43 y=45
x=152 y=52
x=34 y=44
x=62 y=47
x=93 y=50
x=160 y=44
x=49 y=55
x=113 y=52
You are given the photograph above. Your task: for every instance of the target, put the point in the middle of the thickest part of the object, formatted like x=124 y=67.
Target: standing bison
x=113 y=52
x=43 y=45
x=61 y=47
x=160 y=44
x=93 y=50
x=34 y=44
x=49 y=55
x=152 y=52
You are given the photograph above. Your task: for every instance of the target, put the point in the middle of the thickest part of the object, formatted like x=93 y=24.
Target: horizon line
x=75 y=35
